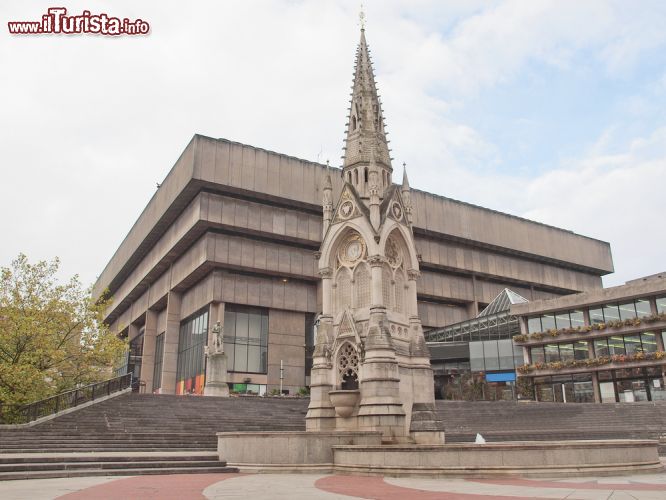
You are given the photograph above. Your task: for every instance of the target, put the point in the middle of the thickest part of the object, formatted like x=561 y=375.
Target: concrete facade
x=235 y=226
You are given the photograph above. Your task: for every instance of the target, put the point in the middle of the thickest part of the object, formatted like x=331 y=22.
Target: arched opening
x=353 y=123
x=355 y=177
x=365 y=174
x=348 y=367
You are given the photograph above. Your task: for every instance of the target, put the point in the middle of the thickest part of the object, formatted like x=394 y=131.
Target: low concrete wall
x=287 y=451
x=561 y=458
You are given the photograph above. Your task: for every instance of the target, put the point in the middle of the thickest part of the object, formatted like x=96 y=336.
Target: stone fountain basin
x=344 y=401
x=354 y=452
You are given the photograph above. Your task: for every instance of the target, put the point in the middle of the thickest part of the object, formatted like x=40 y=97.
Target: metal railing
x=65 y=400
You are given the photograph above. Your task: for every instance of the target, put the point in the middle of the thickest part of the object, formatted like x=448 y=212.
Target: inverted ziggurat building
x=318 y=277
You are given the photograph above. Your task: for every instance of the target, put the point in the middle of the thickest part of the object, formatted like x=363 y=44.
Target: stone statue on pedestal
x=216 y=365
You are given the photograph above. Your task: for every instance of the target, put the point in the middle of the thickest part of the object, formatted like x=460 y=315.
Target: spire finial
x=361 y=18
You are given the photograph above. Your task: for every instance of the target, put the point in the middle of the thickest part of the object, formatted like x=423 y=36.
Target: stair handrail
x=26 y=413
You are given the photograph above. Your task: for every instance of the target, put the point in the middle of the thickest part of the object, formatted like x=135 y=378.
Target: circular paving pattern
x=312 y=486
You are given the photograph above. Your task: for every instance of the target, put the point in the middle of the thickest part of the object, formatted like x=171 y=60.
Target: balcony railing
x=65 y=400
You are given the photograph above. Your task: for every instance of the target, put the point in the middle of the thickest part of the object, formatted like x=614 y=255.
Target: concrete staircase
x=520 y=421
x=140 y=434
x=149 y=434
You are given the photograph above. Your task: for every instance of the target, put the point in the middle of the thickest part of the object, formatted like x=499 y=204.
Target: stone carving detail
x=413 y=274
x=347 y=208
x=375 y=260
x=352 y=250
x=327 y=272
x=396 y=210
x=393 y=253
x=348 y=363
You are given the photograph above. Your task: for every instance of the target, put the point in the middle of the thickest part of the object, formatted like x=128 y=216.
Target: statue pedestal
x=216 y=375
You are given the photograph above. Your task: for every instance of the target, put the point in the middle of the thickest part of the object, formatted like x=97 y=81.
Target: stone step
x=107 y=449
x=61 y=466
x=7 y=476
x=108 y=457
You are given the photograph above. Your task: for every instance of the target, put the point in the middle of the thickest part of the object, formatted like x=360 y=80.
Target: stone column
x=148 y=360
x=326 y=290
x=380 y=408
x=595 y=387
x=376 y=262
x=412 y=299
x=171 y=337
x=321 y=413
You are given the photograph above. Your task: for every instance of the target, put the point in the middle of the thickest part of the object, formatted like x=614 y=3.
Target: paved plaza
x=312 y=486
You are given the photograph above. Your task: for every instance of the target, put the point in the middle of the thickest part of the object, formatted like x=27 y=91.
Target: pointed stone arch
x=346 y=362
x=400 y=235
x=339 y=234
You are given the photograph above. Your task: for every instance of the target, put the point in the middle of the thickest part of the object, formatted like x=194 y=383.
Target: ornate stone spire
x=327 y=201
x=366 y=137
x=406 y=193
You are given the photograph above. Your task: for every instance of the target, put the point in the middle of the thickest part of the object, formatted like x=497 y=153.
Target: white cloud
x=617 y=198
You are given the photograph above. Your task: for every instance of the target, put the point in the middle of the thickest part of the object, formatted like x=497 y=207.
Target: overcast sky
x=550 y=110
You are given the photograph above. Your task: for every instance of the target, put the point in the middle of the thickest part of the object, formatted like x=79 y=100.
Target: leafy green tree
x=52 y=337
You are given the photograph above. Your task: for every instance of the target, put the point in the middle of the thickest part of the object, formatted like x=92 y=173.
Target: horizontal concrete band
x=483 y=472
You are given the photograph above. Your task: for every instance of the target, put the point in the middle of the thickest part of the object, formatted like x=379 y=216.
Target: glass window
x=649 y=341
x=643 y=308
x=159 y=358
x=601 y=348
x=661 y=305
x=627 y=311
x=562 y=320
x=246 y=339
x=596 y=316
x=616 y=346
x=552 y=352
x=611 y=313
x=192 y=338
x=632 y=344
x=577 y=319
x=538 y=355
x=566 y=352
x=534 y=325
x=548 y=322
x=582 y=388
x=518 y=358
x=491 y=355
x=581 y=350
x=505 y=348
x=607 y=390
x=476 y=357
